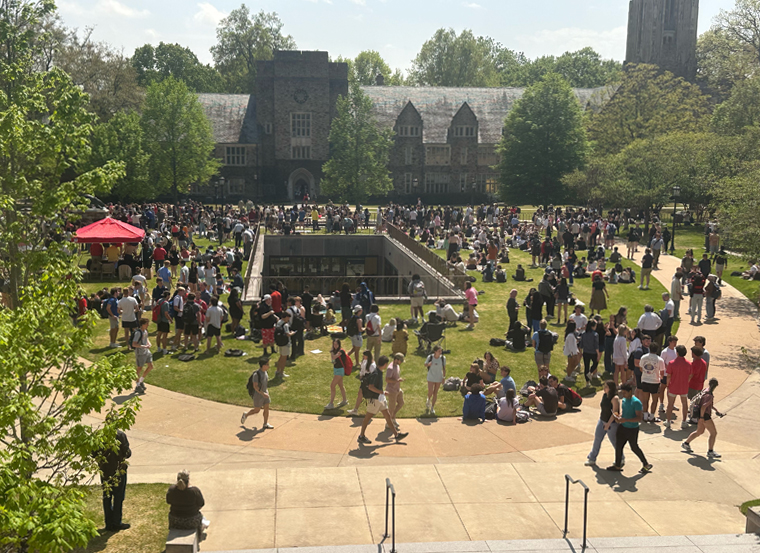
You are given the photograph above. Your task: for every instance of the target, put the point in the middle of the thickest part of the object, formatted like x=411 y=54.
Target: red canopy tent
x=109 y=231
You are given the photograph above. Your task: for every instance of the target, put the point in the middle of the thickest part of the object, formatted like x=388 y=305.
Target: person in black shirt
x=705 y=265
x=113 y=475
x=471 y=378
x=545 y=399
x=185 y=505
x=646 y=268
x=513 y=311
x=516 y=337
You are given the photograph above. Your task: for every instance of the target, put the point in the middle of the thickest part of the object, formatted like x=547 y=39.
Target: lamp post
x=221 y=188
x=472 y=194
x=676 y=193
x=415 y=185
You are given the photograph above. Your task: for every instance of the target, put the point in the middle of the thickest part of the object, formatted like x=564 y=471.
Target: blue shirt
x=114 y=303
x=630 y=406
x=165 y=274
x=474 y=406
x=508 y=383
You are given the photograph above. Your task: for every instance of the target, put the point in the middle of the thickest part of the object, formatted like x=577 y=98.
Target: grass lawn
x=145 y=509
x=744 y=507
x=221 y=379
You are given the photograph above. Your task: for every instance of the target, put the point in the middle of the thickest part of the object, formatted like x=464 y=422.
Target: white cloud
x=610 y=43
x=152 y=33
x=117 y=8
x=209 y=14
x=360 y=2
x=70 y=7
x=472 y=5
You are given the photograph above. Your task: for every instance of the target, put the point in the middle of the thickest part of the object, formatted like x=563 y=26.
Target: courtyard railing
x=569 y=481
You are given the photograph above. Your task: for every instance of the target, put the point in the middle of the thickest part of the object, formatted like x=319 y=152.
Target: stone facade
x=664 y=33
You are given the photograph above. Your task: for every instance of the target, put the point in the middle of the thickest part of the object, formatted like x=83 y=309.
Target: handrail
x=389 y=488
x=569 y=481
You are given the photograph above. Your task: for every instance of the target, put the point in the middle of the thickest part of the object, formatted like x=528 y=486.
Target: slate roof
x=438 y=105
x=232 y=117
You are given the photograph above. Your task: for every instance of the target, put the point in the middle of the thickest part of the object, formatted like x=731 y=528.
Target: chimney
x=379 y=80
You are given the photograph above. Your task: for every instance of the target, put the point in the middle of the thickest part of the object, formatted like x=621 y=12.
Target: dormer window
x=408 y=131
x=464 y=131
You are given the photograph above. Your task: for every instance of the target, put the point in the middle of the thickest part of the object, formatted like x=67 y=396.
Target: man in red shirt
x=679 y=373
x=276 y=299
x=159 y=255
x=698 y=372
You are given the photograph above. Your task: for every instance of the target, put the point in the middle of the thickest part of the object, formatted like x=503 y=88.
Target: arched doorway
x=300 y=183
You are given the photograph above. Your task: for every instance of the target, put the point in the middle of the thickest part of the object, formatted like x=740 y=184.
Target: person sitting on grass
x=517 y=336
x=474 y=407
x=519 y=275
x=471 y=378
x=545 y=399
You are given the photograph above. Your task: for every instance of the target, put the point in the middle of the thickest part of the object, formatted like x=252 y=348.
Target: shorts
x=284 y=350
x=267 y=336
x=677 y=395
x=357 y=341
x=374 y=406
x=637 y=374
x=212 y=331
x=143 y=357
x=692 y=392
x=707 y=417
x=646 y=272
x=418 y=302
x=542 y=358
x=563 y=301
x=542 y=410
x=260 y=400
x=339 y=371
x=113 y=322
x=128 y=324
x=192 y=330
x=650 y=388
x=632 y=244
x=179 y=324
x=164 y=327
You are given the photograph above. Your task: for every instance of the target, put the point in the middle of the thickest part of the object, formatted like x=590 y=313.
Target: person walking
x=214 y=316
x=258 y=389
x=706 y=407
x=631 y=412
x=143 y=356
x=367 y=366
x=607 y=424
x=472 y=302
x=678 y=374
x=697 y=291
x=354 y=329
x=283 y=339
x=393 y=392
x=374 y=328
x=338 y=356
x=372 y=389
x=676 y=293
x=113 y=476
x=436 y=374
x=712 y=293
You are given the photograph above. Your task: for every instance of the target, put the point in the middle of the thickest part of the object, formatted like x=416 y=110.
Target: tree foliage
x=178 y=136
x=737 y=205
x=365 y=68
x=723 y=62
x=154 y=64
x=741 y=110
x=242 y=40
x=584 y=68
x=359 y=151
x=121 y=139
x=741 y=25
x=648 y=103
x=45 y=390
x=544 y=138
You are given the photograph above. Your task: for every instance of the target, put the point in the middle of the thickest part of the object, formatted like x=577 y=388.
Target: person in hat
x=354 y=329
x=721 y=262
x=706 y=407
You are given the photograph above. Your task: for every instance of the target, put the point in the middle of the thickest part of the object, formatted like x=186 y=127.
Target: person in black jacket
x=113 y=475
x=185 y=505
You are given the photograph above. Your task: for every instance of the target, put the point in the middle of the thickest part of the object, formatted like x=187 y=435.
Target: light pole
x=472 y=194
x=415 y=185
x=676 y=193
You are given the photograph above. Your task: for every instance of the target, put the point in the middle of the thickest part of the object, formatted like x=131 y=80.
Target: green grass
x=221 y=379
x=744 y=507
x=145 y=509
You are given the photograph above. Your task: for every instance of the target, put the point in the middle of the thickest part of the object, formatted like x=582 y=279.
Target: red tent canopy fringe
x=110 y=231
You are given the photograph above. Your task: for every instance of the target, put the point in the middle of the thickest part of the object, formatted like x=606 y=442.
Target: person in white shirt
x=386 y=335
x=676 y=293
x=374 y=326
x=649 y=322
x=214 y=316
x=652 y=370
x=446 y=312
x=571 y=351
x=579 y=318
x=367 y=366
x=620 y=354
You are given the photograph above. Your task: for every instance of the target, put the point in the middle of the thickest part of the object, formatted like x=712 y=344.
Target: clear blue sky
x=395 y=28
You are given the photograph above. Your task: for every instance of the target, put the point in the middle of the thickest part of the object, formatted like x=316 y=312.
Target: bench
x=182 y=541
x=753 y=520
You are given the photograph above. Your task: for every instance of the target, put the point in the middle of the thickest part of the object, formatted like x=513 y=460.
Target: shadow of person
x=617 y=480
x=248 y=434
x=702 y=462
x=119 y=400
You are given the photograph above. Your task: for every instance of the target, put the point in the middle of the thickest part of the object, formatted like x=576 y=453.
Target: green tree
x=543 y=139
x=742 y=25
x=648 y=103
x=448 y=59
x=741 y=110
x=154 y=64
x=722 y=62
x=368 y=65
x=737 y=204
x=45 y=390
x=242 y=40
x=586 y=69
x=121 y=139
x=359 y=151
x=178 y=137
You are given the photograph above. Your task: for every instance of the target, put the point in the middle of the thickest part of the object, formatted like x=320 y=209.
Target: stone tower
x=664 y=33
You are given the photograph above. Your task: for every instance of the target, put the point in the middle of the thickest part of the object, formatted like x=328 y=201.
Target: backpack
x=368 y=379
x=545 y=341
x=172 y=309
x=249 y=384
x=296 y=321
x=156 y=313
x=497 y=343
x=225 y=314
x=452 y=384
x=280 y=338
x=189 y=314
x=573 y=398
x=717 y=293
x=345 y=360
x=233 y=353
x=695 y=405
x=418 y=289
x=352 y=328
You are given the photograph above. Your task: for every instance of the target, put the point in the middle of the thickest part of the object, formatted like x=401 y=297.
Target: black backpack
x=296 y=321
x=545 y=341
x=352 y=328
x=280 y=338
x=368 y=379
x=249 y=384
x=189 y=314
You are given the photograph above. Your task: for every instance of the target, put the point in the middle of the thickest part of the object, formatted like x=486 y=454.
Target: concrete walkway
x=308 y=483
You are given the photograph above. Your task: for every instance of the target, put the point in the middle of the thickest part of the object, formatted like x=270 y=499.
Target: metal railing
x=390 y=491
x=569 y=481
x=428 y=256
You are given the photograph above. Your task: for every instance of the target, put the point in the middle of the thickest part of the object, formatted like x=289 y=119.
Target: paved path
x=307 y=483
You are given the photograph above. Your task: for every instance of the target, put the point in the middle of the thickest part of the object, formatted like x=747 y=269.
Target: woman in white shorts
x=436 y=374
x=367 y=366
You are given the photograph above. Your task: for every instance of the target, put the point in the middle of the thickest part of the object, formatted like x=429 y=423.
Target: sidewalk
x=308 y=483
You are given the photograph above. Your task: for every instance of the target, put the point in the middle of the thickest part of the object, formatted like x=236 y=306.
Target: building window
x=408 y=131
x=408 y=183
x=487 y=156
x=463 y=182
x=437 y=155
x=300 y=125
x=268 y=128
x=236 y=186
x=234 y=155
x=463 y=156
x=463 y=131
x=301 y=152
x=408 y=153
x=436 y=183
x=487 y=183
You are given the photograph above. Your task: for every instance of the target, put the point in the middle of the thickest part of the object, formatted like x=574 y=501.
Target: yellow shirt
x=112 y=254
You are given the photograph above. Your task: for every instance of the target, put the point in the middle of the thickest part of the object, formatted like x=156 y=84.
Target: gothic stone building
x=274 y=142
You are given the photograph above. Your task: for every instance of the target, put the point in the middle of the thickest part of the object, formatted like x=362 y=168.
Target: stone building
x=274 y=142
x=664 y=33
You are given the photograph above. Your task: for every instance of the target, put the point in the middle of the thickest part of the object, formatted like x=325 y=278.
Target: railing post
x=569 y=481
x=567 y=503
x=393 y=523
x=387 y=491
x=585 y=517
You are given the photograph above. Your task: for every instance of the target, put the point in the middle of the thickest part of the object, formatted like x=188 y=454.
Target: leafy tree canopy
x=157 y=63
x=741 y=110
x=365 y=68
x=723 y=62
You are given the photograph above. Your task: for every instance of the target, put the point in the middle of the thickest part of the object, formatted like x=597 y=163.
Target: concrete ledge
x=182 y=541
x=753 y=520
